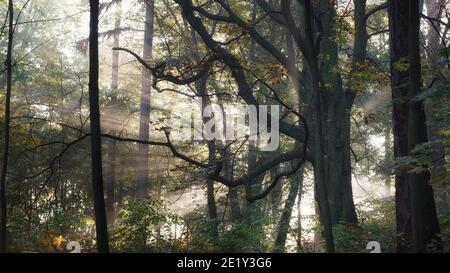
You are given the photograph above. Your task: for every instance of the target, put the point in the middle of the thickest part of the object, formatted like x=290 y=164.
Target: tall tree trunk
x=425 y=226
x=318 y=143
x=202 y=91
x=336 y=103
x=235 y=207
x=111 y=174
x=142 y=177
x=296 y=183
x=438 y=171
x=3 y=209
x=315 y=93
x=211 y=201
x=96 y=143
x=398 y=31
x=252 y=212
x=435 y=9
x=413 y=194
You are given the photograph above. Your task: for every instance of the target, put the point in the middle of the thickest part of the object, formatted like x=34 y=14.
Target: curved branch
x=377 y=9
x=286 y=173
x=158 y=71
x=237 y=71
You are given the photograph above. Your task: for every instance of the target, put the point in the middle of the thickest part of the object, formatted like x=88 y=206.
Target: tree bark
x=398 y=31
x=121 y=191
x=336 y=103
x=318 y=143
x=400 y=43
x=142 y=176
x=111 y=174
x=296 y=183
x=202 y=91
x=110 y=183
x=387 y=158
x=438 y=171
x=425 y=225
x=235 y=208
x=299 y=214
x=211 y=201
x=3 y=204
x=276 y=193
x=96 y=144
x=212 y=209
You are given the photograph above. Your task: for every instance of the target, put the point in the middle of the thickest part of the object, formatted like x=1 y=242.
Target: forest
x=224 y=126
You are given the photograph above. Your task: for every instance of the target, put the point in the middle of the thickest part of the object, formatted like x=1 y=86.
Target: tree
x=111 y=177
x=425 y=225
x=295 y=189
x=434 y=47
x=408 y=130
x=144 y=118
x=398 y=27
x=96 y=143
x=5 y=159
